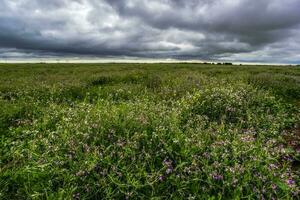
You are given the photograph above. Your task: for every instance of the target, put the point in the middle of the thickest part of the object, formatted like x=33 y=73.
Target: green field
x=149 y=131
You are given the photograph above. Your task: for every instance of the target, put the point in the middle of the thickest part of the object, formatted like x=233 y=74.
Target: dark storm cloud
x=265 y=30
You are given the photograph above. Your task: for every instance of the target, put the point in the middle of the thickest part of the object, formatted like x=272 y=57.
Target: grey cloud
x=204 y=29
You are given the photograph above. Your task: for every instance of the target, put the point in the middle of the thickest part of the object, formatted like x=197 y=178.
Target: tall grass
x=141 y=131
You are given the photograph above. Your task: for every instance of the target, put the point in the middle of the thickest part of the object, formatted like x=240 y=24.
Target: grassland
x=142 y=131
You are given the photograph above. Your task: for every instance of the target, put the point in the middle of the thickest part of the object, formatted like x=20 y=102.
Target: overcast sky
x=236 y=30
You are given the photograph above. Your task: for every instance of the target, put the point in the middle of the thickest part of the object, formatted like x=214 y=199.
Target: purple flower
x=206 y=155
x=274 y=186
x=161 y=178
x=217 y=177
x=288 y=158
x=169 y=165
x=290 y=182
x=167 y=162
x=273 y=166
x=169 y=170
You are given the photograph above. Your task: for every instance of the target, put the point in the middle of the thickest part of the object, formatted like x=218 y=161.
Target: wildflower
x=119 y=174
x=206 y=154
x=169 y=170
x=274 y=187
x=169 y=165
x=187 y=170
x=273 y=166
x=121 y=143
x=142 y=119
x=288 y=158
x=247 y=138
x=87 y=188
x=112 y=131
x=128 y=195
x=219 y=143
x=76 y=196
x=167 y=162
x=161 y=178
x=290 y=182
x=296 y=193
x=217 y=177
x=81 y=173
x=255 y=190
x=86 y=148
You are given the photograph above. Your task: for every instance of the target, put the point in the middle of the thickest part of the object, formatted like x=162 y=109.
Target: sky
x=266 y=31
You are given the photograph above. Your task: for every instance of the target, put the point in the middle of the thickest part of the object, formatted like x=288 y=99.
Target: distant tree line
x=225 y=63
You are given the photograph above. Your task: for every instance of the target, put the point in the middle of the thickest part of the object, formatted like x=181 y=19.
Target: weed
x=164 y=131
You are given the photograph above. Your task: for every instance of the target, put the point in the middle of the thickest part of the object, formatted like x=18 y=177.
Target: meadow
x=149 y=131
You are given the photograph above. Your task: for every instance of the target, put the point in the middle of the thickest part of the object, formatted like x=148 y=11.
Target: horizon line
x=137 y=61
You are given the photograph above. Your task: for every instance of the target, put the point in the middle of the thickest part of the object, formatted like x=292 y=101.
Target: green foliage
x=161 y=131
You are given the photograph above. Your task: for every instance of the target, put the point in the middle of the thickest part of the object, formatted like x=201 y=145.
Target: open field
x=162 y=131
